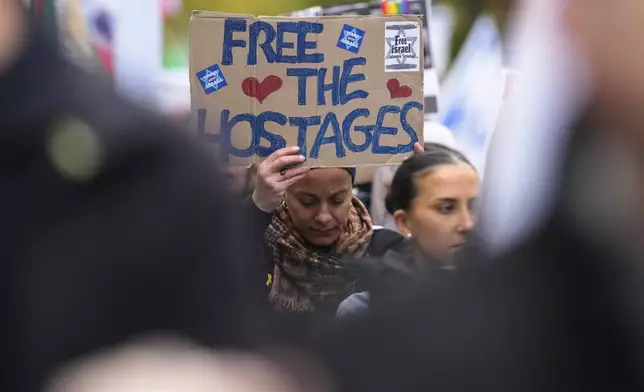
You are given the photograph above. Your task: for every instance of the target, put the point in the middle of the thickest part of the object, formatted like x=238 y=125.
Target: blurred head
x=241 y=180
x=236 y=178
x=432 y=200
x=319 y=204
x=170 y=363
x=607 y=33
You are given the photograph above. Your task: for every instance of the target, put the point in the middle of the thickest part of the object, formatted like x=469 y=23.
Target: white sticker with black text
x=402 y=46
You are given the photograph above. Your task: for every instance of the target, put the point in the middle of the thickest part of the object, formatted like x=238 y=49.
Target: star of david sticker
x=401 y=58
x=212 y=79
x=351 y=39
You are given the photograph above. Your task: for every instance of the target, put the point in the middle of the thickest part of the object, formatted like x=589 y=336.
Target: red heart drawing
x=254 y=89
x=396 y=90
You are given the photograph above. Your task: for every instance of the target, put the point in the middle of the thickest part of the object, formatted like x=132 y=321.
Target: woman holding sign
x=310 y=221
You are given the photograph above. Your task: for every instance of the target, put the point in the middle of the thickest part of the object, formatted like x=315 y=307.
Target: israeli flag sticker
x=350 y=39
x=402 y=46
x=212 y=79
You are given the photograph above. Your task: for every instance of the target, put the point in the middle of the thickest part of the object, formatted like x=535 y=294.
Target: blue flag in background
x=472 y=91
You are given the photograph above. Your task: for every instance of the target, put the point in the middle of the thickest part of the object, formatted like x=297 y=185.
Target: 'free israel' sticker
x=212 y=79
x=402 y=46
x=350 y=39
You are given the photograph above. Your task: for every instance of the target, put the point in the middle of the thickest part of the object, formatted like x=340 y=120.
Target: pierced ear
x=402 y=223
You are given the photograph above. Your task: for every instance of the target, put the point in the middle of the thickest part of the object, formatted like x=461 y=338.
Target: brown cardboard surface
x=371 y=115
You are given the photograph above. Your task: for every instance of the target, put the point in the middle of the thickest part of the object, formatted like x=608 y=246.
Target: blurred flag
x=75 y=37
x=535 y=126
x=100 y=16
x=512 y=81
x=441 y=20
x=138 y=50
x=471 y=94
x=394 y=7
x=170 y=8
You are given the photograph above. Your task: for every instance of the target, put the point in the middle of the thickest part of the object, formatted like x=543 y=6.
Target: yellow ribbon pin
x=269 y=281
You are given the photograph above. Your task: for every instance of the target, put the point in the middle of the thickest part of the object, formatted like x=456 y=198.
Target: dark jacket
x=558 y=312
x=107 y=243
x=548 y=316
x=300 y=324
x=388 y=280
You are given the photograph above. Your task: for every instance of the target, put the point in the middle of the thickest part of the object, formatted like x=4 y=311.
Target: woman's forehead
x=324 y=181
x=328 y=175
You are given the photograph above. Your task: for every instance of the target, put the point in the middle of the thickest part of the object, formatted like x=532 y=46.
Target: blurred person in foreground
x=558 y=307
x=240 y=180
x=433 y=201
x=114 y=224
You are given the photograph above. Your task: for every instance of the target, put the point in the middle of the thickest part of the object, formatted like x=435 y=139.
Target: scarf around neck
x=305 y=279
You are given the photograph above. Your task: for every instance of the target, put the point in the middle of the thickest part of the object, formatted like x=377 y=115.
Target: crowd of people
x=117 y=225
x=322 y=258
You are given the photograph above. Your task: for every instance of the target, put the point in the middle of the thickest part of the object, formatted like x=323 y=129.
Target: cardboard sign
x=347 y=90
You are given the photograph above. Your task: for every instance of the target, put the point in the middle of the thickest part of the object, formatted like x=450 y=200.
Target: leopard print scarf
x=303 y=279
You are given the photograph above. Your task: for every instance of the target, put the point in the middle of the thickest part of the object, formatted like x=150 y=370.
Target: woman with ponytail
x=433 y=202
